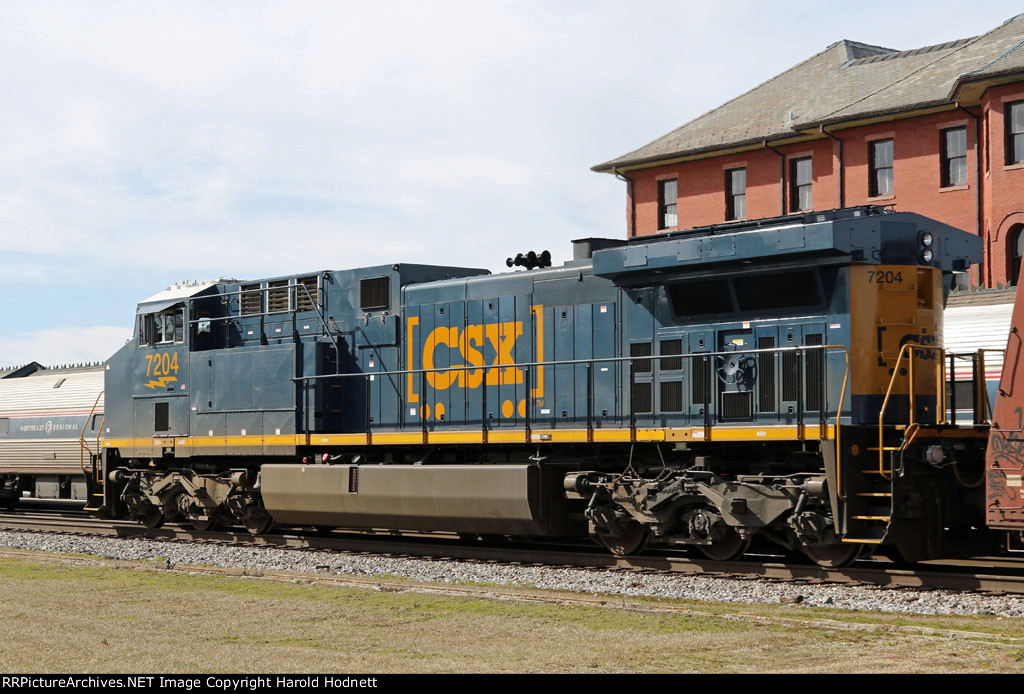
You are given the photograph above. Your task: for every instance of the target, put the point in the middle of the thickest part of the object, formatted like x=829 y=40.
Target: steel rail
x=960 y=576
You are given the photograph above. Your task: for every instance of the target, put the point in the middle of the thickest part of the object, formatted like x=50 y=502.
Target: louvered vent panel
x=790 y=376
x=251 y=300
x=766 y=375
x=698 y=381
x=277 y=297
x=815 y=373
x=307 y=288
x=737 y=406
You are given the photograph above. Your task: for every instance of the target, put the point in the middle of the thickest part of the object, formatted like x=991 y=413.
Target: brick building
x=937 y=130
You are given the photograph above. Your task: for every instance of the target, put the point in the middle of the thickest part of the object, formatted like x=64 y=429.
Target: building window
x=954 y=157
x=667 y=198
x=988 y=139
x=880 y=168
x=735 y=194
x=1015 y=132
x=1016 y=252
x=800 y=185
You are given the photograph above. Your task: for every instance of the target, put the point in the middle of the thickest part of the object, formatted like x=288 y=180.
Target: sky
x=145 y=143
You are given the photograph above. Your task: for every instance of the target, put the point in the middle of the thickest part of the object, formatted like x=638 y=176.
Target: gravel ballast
x=600 y=582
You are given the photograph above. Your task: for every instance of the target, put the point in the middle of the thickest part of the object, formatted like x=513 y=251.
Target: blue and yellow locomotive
x=782 y=379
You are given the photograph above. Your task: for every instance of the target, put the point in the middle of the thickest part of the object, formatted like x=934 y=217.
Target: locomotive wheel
x=726 y=547
x=832 y=555
x=633 y=538
x=258 y=521
x=153 y=518
x=203 y=524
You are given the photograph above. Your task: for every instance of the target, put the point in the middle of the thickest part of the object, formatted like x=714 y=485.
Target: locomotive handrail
x=589 y=363
x=940 y=394
x=317 y=306
x=567 y=362
x=82 y=445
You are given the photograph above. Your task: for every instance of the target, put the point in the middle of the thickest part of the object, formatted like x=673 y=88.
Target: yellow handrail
x=912 y=425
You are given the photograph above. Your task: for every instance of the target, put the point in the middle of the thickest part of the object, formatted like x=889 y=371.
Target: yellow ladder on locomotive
x=870 y=507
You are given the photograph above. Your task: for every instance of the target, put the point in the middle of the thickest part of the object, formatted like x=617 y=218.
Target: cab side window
x=166 y=327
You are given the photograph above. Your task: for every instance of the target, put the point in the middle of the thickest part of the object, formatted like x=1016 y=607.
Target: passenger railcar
x=46 y=415
x=781 y=378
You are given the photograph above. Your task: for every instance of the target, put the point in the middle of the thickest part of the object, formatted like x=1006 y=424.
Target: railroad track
x=998 y=575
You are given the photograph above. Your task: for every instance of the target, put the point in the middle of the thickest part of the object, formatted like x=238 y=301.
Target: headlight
x=927 y=255
x=926 y=239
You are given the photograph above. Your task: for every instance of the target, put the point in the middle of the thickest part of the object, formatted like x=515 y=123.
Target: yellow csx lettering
x=470 y=343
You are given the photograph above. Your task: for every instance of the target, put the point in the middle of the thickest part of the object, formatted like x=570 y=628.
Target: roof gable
x=847 y=80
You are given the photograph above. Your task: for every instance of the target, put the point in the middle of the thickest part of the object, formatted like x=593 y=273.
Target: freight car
x=46 y=416
x=782 y=379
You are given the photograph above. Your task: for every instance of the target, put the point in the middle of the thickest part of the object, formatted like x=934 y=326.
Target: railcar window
x=5 y=426
x=375 y=294
x=777 y=291
x=954 y=157
x=880 y=181
x=700 y=298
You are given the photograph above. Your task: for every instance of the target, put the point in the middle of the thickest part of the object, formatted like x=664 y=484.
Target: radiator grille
x=790 y=376
x=815 y=372
x=251 y=300
x=671 y=347
x=277 y=297
x=672 y=396
x=737 y=406
x=641 y=349
x=302 y=296
x=641 y=397
x=699 y=380
x=766 y=375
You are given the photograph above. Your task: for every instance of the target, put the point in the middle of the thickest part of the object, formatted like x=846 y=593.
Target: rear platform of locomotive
x=781 y=379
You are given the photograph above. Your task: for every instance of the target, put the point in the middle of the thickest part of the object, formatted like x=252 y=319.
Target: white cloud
x=144 y=143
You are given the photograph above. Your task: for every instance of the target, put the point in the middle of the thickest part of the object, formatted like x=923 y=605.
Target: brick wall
x=917 y=179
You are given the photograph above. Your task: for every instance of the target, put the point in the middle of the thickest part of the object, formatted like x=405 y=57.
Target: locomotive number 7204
x=161 y=364
x=885 y=277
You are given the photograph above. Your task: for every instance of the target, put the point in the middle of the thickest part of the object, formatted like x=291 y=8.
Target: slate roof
x=846 y=81
x=982 y=297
